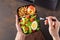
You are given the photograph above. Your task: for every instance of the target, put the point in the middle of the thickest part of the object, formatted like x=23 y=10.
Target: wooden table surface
x=8 y=10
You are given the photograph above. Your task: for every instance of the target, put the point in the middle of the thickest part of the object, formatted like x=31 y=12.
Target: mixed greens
x=28 y=20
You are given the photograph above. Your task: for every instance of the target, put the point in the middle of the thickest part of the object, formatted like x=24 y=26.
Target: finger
x=54 y=25
x=16 y=19
x=54 y=22
x=46 y=22
x=54 y=18
x=49 y=21
x=17 y=25
x=17 y=22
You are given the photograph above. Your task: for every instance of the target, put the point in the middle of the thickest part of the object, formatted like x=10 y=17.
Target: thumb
x=18 y=25
x=50 y=22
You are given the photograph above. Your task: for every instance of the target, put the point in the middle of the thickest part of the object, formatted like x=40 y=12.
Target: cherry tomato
x=26 y=28
x=32 y=19
x=21 y=20
x=27 y=16
x=33 y=30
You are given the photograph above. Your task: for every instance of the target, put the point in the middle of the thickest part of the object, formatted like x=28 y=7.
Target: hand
x=53 y=27
x=20 y=35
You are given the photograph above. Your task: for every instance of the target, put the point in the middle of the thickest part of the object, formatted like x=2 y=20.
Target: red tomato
x=32 y=19
x=21 y=20
x=27 y=16
x=26 y=28
x=33 y=30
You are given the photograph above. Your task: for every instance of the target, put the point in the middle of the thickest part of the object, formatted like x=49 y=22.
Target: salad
x=28 y=20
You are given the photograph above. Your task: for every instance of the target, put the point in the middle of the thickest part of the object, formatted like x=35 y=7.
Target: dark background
x=8 y=10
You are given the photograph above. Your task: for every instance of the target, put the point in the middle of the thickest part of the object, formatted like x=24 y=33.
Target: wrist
x=56 y=38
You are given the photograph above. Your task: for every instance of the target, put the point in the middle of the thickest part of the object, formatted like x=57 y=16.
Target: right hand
x=53 y=27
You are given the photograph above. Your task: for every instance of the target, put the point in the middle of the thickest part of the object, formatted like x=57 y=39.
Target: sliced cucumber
x=23 y=28
x=30 y=30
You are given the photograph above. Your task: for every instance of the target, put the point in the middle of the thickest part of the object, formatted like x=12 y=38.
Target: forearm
x=17 y=36
x=20 y=36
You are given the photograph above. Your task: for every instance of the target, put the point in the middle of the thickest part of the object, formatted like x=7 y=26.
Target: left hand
x=20 y=35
